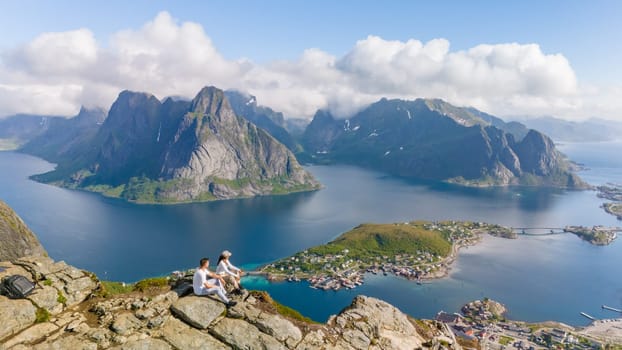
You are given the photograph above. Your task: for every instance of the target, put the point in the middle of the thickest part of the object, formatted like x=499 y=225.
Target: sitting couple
x=226 y=275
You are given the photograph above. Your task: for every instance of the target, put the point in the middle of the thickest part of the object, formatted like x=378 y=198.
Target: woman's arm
x=225 y=267
x=231 y=267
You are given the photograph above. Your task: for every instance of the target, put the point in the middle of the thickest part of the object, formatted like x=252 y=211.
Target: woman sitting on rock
x=228 y=272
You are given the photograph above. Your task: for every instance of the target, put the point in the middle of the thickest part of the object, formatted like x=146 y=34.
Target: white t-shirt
x=198 y=281
x=226 y=268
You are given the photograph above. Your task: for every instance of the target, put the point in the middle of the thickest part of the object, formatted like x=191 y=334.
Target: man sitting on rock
x=214 y=285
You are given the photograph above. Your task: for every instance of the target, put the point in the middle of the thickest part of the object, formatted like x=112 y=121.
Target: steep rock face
x=273 y=122
x=181 y=151
x=431 y=139
x=538 y=154
x=17 y=239
x=126 y=139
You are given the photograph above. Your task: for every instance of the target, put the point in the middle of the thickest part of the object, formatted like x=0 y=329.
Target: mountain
x=178 y=151
x=273 y=122
x=64 y=138
x=296 y=126
x=17 y=239
x=591 y=130
x=18 y=129
x=431 y=139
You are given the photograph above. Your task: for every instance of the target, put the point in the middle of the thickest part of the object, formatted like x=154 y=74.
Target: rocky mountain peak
x=181 y=151
x=211 y=101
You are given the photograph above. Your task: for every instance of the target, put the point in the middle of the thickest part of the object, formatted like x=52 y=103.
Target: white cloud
x=56 y=72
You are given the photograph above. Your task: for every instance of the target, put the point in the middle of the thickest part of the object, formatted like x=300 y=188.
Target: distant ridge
x=432 y=139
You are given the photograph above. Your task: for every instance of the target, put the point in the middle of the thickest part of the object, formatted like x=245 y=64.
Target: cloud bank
x=55 y=73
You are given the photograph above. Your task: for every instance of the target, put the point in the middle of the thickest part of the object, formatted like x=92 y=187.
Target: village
x=345 y=269
x=482 y=324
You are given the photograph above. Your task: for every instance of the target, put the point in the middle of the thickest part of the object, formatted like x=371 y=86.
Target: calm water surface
x=538 y=278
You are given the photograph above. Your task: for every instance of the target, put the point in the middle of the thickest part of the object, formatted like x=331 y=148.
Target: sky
x=509 y=58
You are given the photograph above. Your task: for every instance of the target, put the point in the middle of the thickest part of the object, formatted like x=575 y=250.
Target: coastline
x=425 y=268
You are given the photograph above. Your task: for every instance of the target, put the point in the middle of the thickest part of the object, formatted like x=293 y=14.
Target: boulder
x=125 y=324
x=15 y=315
x=370 y=319
x=47 y=297
x=313 y=340
x=182 y=336
x=242 y=335
x=198 y=312
x=78 y=290
x=278 y=327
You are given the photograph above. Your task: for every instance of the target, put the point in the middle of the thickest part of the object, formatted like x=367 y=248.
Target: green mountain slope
x=431 y=139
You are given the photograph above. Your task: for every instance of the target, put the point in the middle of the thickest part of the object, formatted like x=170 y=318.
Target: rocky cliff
x=178 y=151
x=273 y=122
x=431 y=139
x=68 y=311
x=16 y=239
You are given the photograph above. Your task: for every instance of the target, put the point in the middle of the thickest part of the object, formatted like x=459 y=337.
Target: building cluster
x=479 y=323
x=337 y=270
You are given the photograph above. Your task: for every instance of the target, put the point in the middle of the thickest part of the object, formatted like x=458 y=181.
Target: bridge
x=526 y=231
x=559 y=230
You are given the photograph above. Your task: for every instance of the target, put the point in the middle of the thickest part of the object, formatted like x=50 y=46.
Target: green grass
x=61 y=299
x=148 y=283
x=505 y=340
x=109 y=288
x=371 y=240
x=42 y=315
x=280 y=308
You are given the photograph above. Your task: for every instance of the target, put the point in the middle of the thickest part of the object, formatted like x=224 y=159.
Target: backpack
x=16 y=287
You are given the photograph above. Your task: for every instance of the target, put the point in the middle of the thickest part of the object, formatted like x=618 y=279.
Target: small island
x=596 y=235
x=614 y=209
x=417 y=250
x=612 y=192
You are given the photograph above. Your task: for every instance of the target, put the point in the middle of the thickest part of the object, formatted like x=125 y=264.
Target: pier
x=611 y=309
x=588 y=316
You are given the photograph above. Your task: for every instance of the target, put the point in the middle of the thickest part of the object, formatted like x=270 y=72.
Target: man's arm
x=216 y=276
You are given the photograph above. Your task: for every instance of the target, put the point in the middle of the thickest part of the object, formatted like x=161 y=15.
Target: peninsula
x=417 y=250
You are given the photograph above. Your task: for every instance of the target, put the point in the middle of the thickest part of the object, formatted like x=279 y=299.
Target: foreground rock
x=17 y=239
x=160 y=319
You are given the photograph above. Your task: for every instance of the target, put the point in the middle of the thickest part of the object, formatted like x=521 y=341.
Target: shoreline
x=430 y=270
x=427 y=268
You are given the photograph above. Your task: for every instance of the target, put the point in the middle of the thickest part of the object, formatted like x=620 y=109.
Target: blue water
x=538 y=278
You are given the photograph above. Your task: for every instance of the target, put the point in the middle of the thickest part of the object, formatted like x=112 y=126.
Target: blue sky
x=586 y=33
